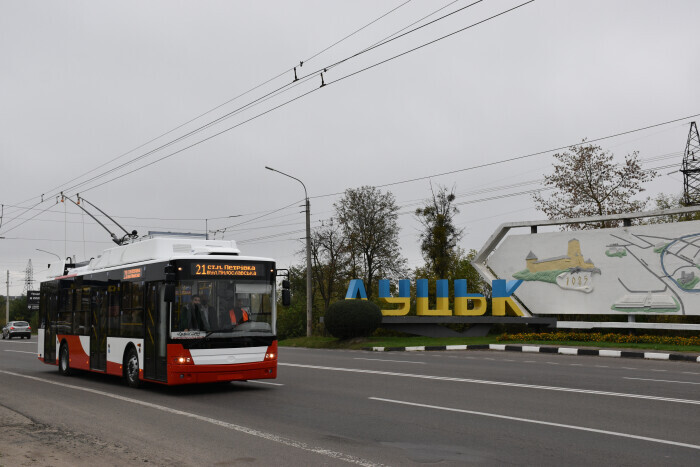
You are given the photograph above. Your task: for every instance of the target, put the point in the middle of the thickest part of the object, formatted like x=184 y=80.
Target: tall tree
x=439 y=238
x=587 y=182
x=663 y=202
x=330 y=257
x=368 y=218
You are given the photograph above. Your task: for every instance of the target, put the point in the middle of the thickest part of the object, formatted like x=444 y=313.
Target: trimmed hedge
x=346 y=319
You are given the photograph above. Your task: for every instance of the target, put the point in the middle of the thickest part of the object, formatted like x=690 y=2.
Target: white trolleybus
x=164 y=309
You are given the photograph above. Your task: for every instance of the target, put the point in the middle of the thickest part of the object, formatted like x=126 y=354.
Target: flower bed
x=599 y=337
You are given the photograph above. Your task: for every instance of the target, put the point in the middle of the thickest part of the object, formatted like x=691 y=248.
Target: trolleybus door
x=49 y=297
x=98 y=329
x=155 y=343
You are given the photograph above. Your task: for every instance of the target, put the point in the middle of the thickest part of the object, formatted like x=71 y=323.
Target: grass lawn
x=361 y=343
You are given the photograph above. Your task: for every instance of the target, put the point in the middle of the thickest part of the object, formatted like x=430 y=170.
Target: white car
x=17 y=328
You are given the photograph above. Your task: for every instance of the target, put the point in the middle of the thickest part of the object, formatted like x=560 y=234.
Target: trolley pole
x=309 y=301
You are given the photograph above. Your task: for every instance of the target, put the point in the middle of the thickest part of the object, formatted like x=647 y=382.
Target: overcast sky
x=85 y=82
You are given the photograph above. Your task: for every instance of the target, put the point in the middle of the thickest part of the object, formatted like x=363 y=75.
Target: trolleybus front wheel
x=131 y=369
x=64 y=361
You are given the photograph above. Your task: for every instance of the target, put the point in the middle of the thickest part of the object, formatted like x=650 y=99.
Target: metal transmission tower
x=28 y=278
x=691 y=168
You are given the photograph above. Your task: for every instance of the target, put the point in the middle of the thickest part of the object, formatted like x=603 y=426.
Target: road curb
x=547 y=349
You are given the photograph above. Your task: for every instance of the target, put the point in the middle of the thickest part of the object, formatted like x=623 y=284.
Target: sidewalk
x=564 y=350
x=25 y=442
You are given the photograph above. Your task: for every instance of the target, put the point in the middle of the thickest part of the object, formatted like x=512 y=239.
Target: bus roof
x=155 y=249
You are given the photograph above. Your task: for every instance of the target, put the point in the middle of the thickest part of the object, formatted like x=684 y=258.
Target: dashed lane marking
x=541 y=422
x=383 y=360
x=495 y=383
x=661 y=380
x=231 y=426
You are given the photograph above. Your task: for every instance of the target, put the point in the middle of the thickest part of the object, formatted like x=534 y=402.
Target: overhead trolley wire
x=511 y=159
x=255 y=102
x=269 y=110
x=268 y=96
x=356 y=31
x=226 y=102
x=463 y=169
x=310 y=92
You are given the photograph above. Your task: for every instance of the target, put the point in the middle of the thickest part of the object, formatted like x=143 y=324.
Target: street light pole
x=309 y=317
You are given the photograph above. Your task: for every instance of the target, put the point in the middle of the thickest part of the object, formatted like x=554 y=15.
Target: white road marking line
x=661 y=380
x=576 y=364
x=551 y=363
x=627 y=368
x=657 y=370
x=10 y=341
x=495 y=383
x=265 y=382
x=382 y=360
x=541 y=422
x=529 y=361
x=690 y=373
x=21 y=351
x=242 y=429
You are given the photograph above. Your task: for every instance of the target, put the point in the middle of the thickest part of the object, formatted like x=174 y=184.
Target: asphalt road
x=331 y=407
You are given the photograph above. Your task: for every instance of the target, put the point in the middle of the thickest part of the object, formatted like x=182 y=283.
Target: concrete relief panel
x=648 y=269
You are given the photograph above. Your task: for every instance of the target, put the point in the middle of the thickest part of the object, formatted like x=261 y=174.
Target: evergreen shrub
x=346 y=319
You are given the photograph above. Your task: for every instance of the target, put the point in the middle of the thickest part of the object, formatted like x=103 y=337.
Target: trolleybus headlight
x=269 y=356
x=182 y=360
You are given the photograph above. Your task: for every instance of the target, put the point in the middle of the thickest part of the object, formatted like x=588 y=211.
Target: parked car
x=17 y=328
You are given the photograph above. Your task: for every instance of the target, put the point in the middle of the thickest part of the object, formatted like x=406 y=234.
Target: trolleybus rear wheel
x=131 y=369
x=64 y=361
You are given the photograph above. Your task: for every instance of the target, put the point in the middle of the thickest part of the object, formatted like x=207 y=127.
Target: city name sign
x=501 y=302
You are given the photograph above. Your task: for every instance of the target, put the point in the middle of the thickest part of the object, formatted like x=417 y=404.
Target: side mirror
x=169 y=293
x=286 y=294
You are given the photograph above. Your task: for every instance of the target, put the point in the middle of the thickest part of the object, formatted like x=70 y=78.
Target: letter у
x=442 y=307
x=461 y=297
x=403 y=300
x=501 y=303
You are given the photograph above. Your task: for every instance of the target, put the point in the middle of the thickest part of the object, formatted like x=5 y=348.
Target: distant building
x=572 y=259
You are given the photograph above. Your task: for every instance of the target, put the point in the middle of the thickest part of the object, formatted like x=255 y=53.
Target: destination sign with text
x=228 y=270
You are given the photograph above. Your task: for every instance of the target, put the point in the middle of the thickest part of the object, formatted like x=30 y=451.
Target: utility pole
x=7 y=300
x=309 y=301
x=691 y=168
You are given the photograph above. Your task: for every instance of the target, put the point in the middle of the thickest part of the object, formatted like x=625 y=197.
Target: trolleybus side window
x=81 y=310
x=64 y=320
x=132 y=309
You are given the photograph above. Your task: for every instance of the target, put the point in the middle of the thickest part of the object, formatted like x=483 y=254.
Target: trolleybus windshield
x=215 y=304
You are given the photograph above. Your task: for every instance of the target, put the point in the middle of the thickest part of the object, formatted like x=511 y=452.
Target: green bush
x=346 y=319
x=291 y=322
